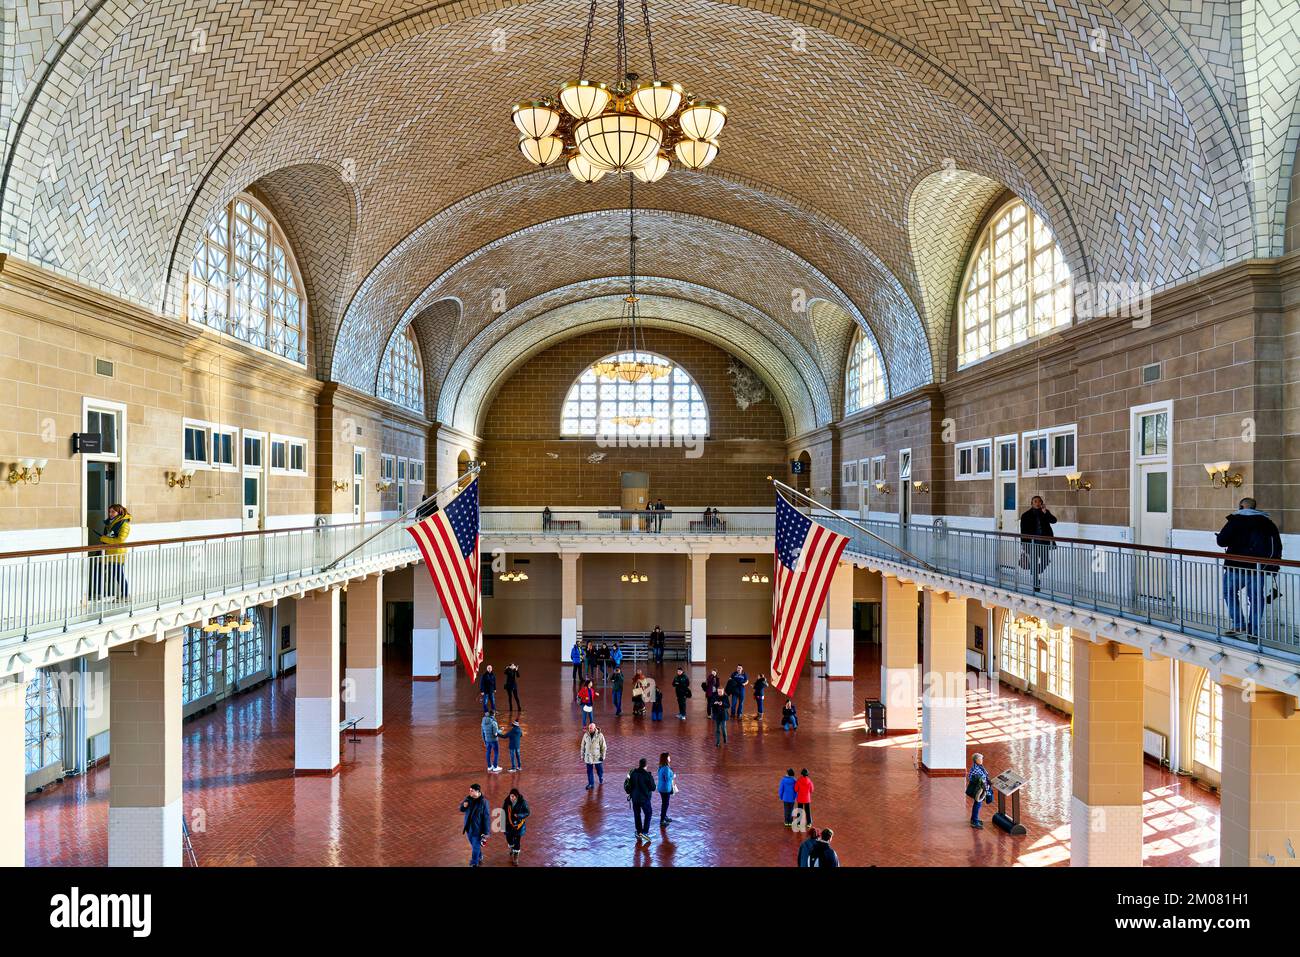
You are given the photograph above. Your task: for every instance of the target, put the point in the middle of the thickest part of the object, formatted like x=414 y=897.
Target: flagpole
x=862 y=528
x=473 y=470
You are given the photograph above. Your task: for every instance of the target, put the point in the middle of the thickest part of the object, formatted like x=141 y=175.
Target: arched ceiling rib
x=128 y=122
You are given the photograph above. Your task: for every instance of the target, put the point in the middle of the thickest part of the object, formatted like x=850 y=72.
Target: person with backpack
x=682 y=686
x=666 y=785
x=477 y=823
x=719 y=712
x=616 y=689
x=822 y=854
x=785 y=794
x=587 y=696
x=575 y=655
x=803 y=792
x=593 y=751
x=978 y=788
x=738 y=681
x=512 y=687
x=806 y=848
x=760 y=689
x=514 y=740
x=491 y=732
x=1248 y=533
x=639 y=786
x=514 y=813
x=487 y=689
x=638 y=695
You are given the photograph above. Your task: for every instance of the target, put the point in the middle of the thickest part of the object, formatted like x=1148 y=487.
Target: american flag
x=806 y=555
x=449 y=542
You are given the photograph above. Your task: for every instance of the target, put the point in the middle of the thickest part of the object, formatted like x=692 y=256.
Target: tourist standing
x=616 y=688
x=666 y=785
x=806 y=848
x=786 y=795
x=616 y=655
x=1250 y=533
x=487 y=689
x=760 y=690
x=738 y=680
x=803 y=792
x=491 y=732
x=657 y=644
x=593 y=755
x=587 y=696
x=718 y=711
x=477 y=823
x=640 y=785
x=657 y=709
x=659 y=519
x=682 y=686
x=575 y=655
x=512 y=687
x=978 y=788
x=514 y=741
x=117 y=529
x=638 y=695
x=514 y=813
x=823 y=855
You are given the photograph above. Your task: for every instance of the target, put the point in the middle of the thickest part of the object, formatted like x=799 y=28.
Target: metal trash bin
x=875 y=710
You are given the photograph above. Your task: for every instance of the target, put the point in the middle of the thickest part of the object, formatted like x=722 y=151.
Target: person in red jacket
x=587 y=696
x=803 y=790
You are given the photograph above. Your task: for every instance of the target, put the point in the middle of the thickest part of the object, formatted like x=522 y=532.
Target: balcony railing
x=615 y=521
x=58 y=589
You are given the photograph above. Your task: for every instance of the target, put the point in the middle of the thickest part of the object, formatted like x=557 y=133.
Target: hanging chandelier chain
x=621 y=52
x=649 y=40
x=586 y=41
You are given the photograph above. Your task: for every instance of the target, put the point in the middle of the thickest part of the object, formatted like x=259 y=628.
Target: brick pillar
x=568 y=603
x=1106 y=802
x=839 y=635
x=898 y=680
x=144 y=713
x=1259 y=810
x=943 y=688
x=13 y=776
x=426 y=665
x=699 y=609
x=316 y=708
x=365 y=674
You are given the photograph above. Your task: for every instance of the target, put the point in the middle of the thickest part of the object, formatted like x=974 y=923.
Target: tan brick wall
x=522 y=432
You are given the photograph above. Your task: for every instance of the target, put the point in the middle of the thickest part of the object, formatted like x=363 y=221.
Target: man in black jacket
x=640 y=789
x=1248 y=533
x=681 y=685
x=477 y=823
x=1035 y=555
x=822 y=854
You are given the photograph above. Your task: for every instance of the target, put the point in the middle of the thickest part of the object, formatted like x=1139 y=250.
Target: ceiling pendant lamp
x=632 y=126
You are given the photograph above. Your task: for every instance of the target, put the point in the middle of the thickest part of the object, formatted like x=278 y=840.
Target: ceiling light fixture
x=634 y=126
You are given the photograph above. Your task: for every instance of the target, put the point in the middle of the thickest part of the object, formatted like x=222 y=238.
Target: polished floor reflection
x=394 y=801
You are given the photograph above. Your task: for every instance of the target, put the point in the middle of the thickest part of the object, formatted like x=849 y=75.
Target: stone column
x=316 y=708
x=365 y=674
x=899 y=687
x=13 y=772
x=943 y=686
x=568 y=602
x=446 y=641
x=839 y=634
x=144 y=713
x=426 y=665
x=1260 y=794
x=699 y=608
x=1106 y=801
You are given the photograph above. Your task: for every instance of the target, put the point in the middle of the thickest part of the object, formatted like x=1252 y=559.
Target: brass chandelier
x=634 y=126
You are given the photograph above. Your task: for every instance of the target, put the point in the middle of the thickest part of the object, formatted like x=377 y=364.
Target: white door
x=252 y=516
x=904 y=486
x=253 y=500
x=1153 y=507
x=1006 y=487
x=359 y=484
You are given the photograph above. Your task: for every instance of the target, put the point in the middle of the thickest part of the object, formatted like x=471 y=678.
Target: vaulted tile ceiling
x=865 y=143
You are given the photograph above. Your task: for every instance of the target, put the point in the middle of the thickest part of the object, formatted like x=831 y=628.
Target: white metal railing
x=612 y=520
x=55 y=590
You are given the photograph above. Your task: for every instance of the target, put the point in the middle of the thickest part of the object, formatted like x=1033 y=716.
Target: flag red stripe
x=798 y=598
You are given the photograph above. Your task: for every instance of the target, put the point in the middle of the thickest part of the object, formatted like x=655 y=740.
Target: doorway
x=905 y=487
x=1006 y=488
x=359 y=484
x=1152 y=502
x=102 y=474
x=253 y=503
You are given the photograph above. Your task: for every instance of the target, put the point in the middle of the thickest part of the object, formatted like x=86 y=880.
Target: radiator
x=97 y=747
x=1155 y=744
x=974 y=659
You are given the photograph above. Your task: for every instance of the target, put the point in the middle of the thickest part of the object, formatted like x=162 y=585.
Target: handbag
x=975 y=789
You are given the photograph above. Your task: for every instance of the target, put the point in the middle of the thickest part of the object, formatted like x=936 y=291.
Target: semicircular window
x=667 y=403
x=244 y=281
x=864 y=377
x=401 y=376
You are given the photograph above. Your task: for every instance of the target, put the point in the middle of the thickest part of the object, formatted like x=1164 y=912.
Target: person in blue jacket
x=738 y=698
x=616 y=655
x=665 y=784
x=514 y=740
x=575 y=655
x=785 y=793
x=978 y=774
x=491 y=733
x=477 y=823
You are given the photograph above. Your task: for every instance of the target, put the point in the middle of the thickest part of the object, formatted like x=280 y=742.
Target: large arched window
x=244 y=281
x=864 y=379
x=1017 y=285
x=1031 y=649
x=671 y=405
x=1207 y=724
x=401 y=376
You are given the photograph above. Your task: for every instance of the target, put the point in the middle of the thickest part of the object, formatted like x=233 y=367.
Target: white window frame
x=877 y=469
x=1051 y=466
x=264 y=449
x=387 y=467
x=904 y=471
x=973 y=448
x=206 y=429
x=850 y=473
x=290 y=442
x=1165 y=408
x=1014 y=441
x=236 y=448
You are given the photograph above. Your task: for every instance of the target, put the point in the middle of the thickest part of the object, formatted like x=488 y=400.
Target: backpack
x=627 y=783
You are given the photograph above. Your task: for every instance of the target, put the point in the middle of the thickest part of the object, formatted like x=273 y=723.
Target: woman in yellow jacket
x=117 y=529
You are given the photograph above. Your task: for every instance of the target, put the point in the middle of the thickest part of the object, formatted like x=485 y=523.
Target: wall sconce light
x=27 y=471
x=383 y=486
x=1217 y=471
x=884 y=489
x=1076 y=482
x=181 y=479
x=340 y=486
x=920 y=488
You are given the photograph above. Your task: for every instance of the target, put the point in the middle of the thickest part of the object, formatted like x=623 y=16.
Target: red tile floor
x=394 y=801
